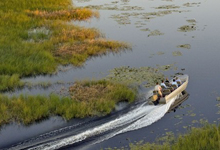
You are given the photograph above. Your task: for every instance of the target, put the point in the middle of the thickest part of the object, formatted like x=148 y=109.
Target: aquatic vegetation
x=206 y=137
x=191 y=20
x=146 y=29
x=187 y=46
x=191 y=4
x=187 y=28
x=177 y=53
x=43 y=84
x=136 y=76
x=36 y=37
x=71 y=14
x=102 y=89
x=10 y=82
x=167 y=7
x=192 y=114
x=88 y=98
x=121 y=19
x=165 y=67
x=128 y=12
x=218 y=98
x=155 y=33
x=160 y=53
x=114 y=7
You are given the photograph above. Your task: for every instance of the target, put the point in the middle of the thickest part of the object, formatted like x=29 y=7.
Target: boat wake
x=141 y=116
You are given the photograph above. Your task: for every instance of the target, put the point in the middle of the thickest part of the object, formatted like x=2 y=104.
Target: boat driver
x=159 y=89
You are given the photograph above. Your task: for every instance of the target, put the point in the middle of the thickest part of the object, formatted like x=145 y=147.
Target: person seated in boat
x=163 y=85
x=178 y=81
x=158 y=88
x=166 y=88
x=167 y=82
x=174 y=83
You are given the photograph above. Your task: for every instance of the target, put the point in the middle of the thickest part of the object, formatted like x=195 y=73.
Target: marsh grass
x=10 y=82
x=201 y=138
x=36 y=37
x=88 y=98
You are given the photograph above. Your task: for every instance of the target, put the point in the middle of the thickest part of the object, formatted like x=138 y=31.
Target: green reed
x=27 y=109
x=36 y=37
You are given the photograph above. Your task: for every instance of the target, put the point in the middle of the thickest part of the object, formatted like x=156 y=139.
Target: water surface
x=200 y=62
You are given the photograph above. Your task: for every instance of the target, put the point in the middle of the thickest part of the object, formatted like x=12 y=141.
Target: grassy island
x=88 y=98
x=37 y=36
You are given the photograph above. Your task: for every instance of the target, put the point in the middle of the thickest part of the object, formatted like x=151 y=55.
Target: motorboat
x=179 y=94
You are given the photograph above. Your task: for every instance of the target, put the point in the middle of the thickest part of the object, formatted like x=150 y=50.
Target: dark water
x=201 y=63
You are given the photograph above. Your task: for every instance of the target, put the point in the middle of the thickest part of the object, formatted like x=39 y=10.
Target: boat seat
x=163 y=87
x=178 y=83
x=167 y=84
x=174 y=86
x=166 y=91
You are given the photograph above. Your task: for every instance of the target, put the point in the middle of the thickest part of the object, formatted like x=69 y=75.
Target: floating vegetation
x=191 y=21
x=155 y=33
x=193 y=115
x=165 y=67
x=121 y=19
x=115 y=7
x=167 y=7
x=137 y=76
x=177 y=116
x=187 y=28
x=146 y=29
x=187 y=46
x=124 y=18
x=218 y=98
x=191 y=4
x=177 y=53
x=160 y=53
x=43 y=84
x=195 y=121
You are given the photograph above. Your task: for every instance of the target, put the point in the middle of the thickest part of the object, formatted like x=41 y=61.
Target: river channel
x=153 y=28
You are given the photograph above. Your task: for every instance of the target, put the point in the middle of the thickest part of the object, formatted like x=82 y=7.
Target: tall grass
x=36 y=36
x=203 y=138
x=89 y=98
x=10 y=82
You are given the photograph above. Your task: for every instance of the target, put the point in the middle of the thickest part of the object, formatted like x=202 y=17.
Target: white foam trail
x=140 y=117
x=145 y=121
